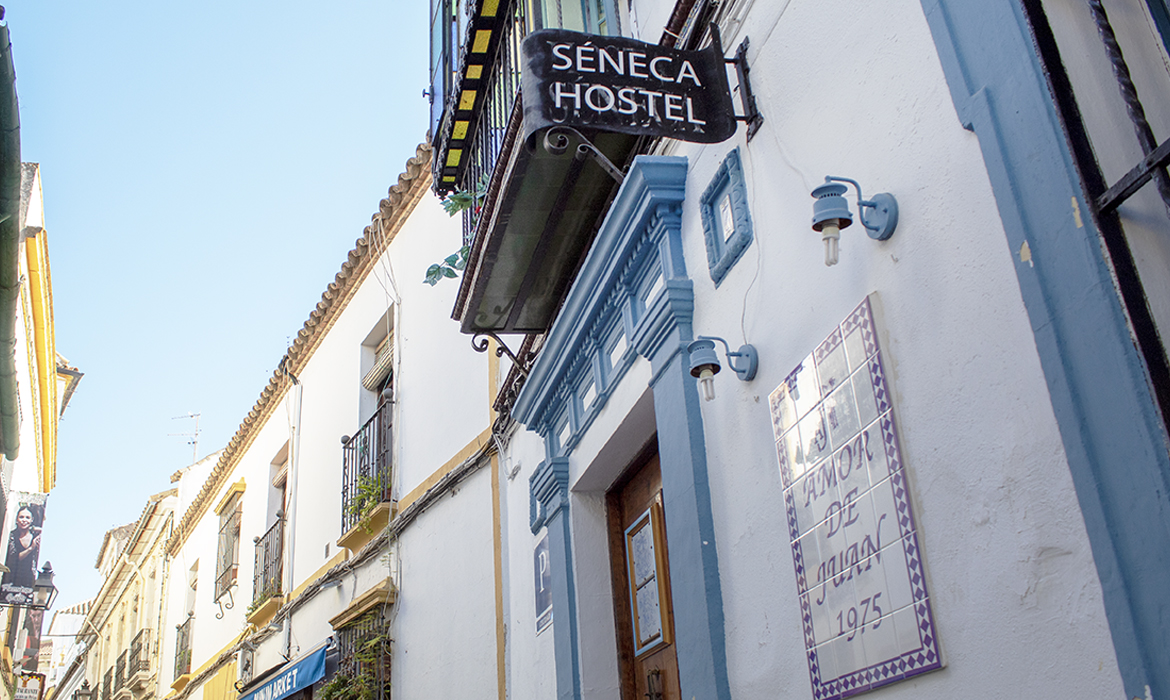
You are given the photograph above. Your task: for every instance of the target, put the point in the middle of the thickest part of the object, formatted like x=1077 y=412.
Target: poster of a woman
x=23 y=549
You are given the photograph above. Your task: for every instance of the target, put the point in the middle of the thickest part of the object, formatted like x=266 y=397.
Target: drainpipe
x=9 y=244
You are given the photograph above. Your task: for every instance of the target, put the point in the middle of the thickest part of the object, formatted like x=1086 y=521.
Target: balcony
x=138 y=663
x=108 y=685
x=366 y=480
x=182 y=655
x=121 y=691
x=537 y=201
x=269 y=574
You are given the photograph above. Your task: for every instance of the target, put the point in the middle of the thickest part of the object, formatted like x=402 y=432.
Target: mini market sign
x=625 y=86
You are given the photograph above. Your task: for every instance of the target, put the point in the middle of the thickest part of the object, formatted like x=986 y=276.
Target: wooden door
x=641 y=584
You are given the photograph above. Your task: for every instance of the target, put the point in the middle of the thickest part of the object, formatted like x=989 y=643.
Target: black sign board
x=626 y=86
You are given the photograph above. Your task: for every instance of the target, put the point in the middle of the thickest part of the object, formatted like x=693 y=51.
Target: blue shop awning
x=294 y=677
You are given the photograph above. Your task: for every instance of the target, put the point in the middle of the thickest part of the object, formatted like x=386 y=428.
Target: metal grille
x=139 y=661
x=120 y=671
x=108 y=684
x=229 y=548
x=269 y=563
x=1105 y=198
x=183 y=648
x=1150 y=167
x=365 y=654
x=500 y=95
x=366 y=475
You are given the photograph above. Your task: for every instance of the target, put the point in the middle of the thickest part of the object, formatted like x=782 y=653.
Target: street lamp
x=44 y=592
x=84 y=692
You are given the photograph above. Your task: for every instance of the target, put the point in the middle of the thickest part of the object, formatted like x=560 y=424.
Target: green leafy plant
x=340 y=687
x=358 y=679
x=462 y=200
x=450 y=267
x=263 y=598
x=455 y=203
x=369 y=494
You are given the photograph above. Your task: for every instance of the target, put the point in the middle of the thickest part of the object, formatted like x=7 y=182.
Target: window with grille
x=228 y=557
x=364 y=646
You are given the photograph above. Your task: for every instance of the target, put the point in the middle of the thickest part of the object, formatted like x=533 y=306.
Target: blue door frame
x=1111 y=427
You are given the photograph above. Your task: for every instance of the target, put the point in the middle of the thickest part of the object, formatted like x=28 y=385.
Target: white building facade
x=920 y=482
x=285 y=579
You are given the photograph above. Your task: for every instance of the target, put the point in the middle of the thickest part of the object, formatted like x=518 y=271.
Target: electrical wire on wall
x=292 y=405
x=384 y=266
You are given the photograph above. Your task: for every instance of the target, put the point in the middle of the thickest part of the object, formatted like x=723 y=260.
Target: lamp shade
x=43 y=590
x=830 y=205
x=703 y=356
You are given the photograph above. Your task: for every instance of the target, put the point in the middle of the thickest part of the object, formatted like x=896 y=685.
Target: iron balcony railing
x=139 y=661
x=183 y=648
x=108 y=684
x=269 y=571
x=229 y=549
x=495 y=112
x=120 y=671
x=364 y=656
x=366 y=473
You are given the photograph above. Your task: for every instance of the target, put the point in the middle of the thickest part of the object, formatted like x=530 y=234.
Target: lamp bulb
x=830 y=233
x=707 y=384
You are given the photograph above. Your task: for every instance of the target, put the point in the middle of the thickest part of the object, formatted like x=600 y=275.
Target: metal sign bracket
x=751 y=114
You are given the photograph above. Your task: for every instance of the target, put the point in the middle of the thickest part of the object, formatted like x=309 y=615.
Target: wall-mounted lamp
x=831 y=213
x=705 y=363
x=44 y=592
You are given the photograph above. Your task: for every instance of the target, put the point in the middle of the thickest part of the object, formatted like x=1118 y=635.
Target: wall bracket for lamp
x=751 y=113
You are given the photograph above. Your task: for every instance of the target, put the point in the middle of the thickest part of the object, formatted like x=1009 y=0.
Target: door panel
x=641 y=584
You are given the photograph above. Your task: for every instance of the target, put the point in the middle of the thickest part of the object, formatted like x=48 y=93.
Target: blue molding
x=695 y=586
x=1112 y=431
x=725 y=249
x=635 y=279
x=653 y=181
x=548 y=492
x=666 y=324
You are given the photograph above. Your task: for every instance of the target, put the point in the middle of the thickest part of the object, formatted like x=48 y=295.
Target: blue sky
x=206 y=168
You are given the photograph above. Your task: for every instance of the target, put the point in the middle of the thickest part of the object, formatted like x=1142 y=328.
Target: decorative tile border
x=865 y=608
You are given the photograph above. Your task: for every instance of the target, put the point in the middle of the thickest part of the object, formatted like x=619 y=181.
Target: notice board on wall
x=865 y=607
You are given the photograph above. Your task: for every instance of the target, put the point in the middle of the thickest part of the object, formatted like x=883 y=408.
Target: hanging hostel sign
x=626 y=86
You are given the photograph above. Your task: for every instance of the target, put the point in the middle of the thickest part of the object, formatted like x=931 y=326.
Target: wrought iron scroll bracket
x=751 y=113
x=225 y=606
x=556 y=142
x=481 y=345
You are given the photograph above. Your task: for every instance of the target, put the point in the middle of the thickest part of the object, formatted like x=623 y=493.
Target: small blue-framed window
x=727 y=224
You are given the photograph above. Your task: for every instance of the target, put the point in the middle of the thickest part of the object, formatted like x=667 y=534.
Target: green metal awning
x=547 y=211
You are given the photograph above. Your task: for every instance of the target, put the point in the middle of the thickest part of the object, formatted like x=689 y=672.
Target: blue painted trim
x=548 y=493
x=700 y=637
x=723 y=249
x=653 y=180
x=636 y=275
x=1161 y=16
x=1110 y=426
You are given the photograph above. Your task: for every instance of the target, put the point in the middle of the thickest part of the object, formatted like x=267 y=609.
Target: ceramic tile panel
x=865 y=608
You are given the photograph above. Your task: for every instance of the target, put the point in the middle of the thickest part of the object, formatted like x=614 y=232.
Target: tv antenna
x=194 y=435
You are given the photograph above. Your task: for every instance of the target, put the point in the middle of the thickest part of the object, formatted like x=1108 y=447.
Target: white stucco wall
x=531 y=656
x=1015 y=594
x=445 y=619
x=442 y=391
